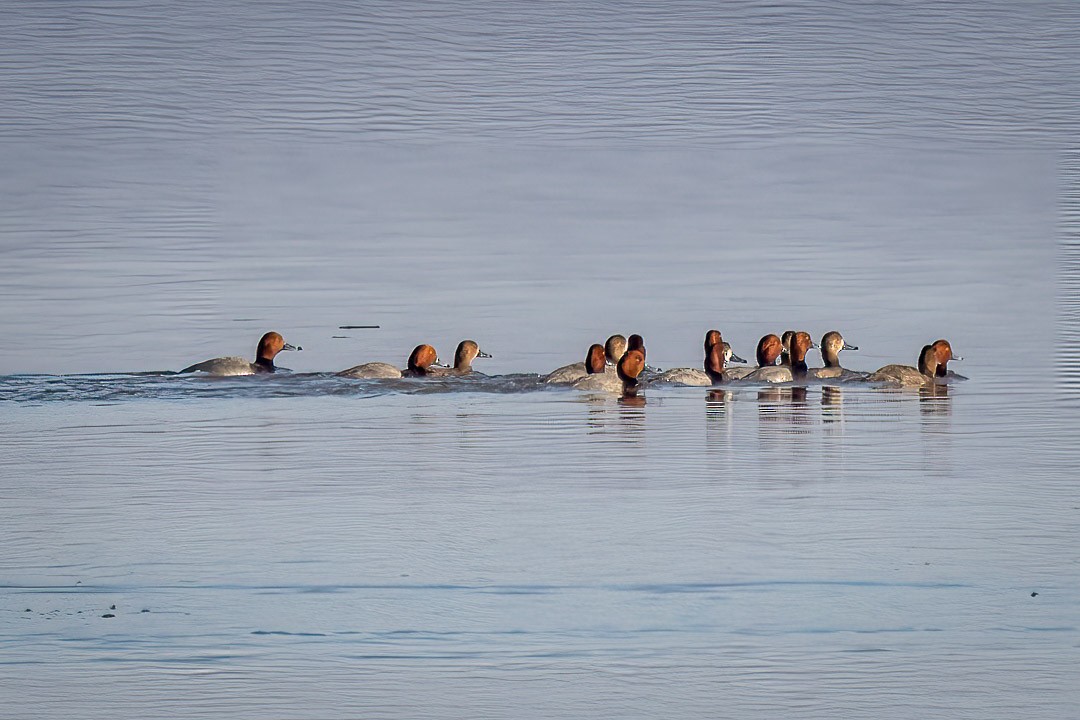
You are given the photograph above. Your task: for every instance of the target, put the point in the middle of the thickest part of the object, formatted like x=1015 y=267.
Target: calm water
x=178 y=179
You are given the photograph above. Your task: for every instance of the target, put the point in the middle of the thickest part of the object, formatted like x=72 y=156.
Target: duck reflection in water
x=934 y=401
x=785 y=409
x=832 y=404
x=716 y=402
x=719 y=416
x=623 y=420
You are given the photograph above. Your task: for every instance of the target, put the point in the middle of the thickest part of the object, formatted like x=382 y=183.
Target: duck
x=933 y=367
x=467 y=351
x=420 y=363
x=717 y=354
x=770 y=347
x=832 y=343
x=713 y=337
x=615 y=382
x=269 y=346
x=610 y=353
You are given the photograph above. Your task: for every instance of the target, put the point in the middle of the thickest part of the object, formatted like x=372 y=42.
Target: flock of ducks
x=618 y=366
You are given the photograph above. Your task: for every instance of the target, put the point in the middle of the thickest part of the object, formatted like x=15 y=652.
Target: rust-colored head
x=943 y=353
x=768 y=349
x=712 y=337
x=615 y=348
x=715 y=359
x=467 y=351
x=800 y=344
x=595 y=359
x=422 y=358
x=269 y=346
x=631 y=366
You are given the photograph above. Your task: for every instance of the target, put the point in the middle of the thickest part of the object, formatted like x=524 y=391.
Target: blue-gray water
x=177 y=179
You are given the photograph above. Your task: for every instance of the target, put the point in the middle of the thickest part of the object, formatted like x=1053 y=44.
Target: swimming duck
x=712 y=338
x=467 y=351
x=420 y=362
x=611 y=351
x=933 y=367
x=615 y=382
x=770 y=347
x=831 y=344
x=717 y=355
x=269 y=346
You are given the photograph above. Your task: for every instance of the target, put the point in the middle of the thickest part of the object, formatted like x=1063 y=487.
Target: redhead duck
x=467 y=351
x=831 y=344
x=627 y=367
x=770 y=347
x=717 y=355
x=610 y=352
x=713 y=337
x=421 y=360
x=933 y=367
x=768 y=350
x=269 y=346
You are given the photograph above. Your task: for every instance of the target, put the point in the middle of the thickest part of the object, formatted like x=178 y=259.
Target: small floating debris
x=358 y=327
x=1034 y=594
x=108 y=615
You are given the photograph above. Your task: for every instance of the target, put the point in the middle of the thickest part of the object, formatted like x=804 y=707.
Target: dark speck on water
x=108 y=615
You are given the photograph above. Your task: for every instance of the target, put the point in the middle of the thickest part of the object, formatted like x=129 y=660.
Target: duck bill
x=290 y=346
x=736 y=358
x=849 y=347
x=482 y=354
x=957 y=357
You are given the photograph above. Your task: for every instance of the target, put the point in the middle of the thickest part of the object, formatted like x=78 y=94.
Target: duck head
x=768 y=349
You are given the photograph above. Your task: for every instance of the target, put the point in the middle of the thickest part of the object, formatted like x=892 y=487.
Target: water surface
x=176 y=180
